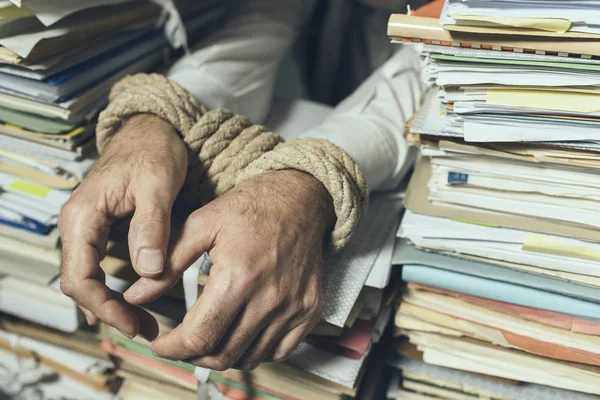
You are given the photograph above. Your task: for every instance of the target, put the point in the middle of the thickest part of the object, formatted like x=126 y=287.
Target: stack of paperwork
x=500 y=243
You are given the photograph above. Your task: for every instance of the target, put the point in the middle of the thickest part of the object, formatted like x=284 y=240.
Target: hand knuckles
x=227 y=360
x=68 y=213
x=281 y=357
x=247 y=277
x=67 y=287
x=220 y=366
x=312 y=304
x=282 y=353
x=198 y=217
x=215 y=363
x=150 y=225
x=256 y=360
x=196 y=343
x=274 y=295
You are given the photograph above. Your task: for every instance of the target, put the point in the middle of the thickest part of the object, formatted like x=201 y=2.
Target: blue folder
x=69 y=83
x=405 y=254
x=29 y=225
x=500 y=291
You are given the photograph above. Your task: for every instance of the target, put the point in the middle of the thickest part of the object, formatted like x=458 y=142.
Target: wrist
x=143 y=135
x=312 y=198
x=140 y=124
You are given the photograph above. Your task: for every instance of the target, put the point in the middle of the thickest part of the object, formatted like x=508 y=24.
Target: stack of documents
x=560 y=19
x=330 y=364
x=40 y=363
x=499 y=243
x=331 y=361
x=48 y=102
x=47 y=147
x=58 y=60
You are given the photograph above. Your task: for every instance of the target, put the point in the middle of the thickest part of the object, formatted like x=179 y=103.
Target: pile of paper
x=57 y=64
x=499 y=243
x=544 y=18
x=39 y=363
x=52 y=94
x=58 y=61
x=330 y=363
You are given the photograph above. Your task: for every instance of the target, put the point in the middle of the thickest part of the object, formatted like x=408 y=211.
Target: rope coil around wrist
x=226 y=149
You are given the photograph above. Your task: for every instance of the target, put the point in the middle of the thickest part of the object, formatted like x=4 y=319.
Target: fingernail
x=137 y=289
x=127 y=335
x=151 y=261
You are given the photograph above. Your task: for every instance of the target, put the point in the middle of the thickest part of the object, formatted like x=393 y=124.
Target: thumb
x=195 y=238
x=150 y=227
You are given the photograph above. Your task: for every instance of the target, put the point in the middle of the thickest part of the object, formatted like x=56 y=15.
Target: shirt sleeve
x=236 y=67
x=369 y=125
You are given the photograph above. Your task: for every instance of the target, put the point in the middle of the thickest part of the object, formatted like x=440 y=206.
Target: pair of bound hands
x=265 y=238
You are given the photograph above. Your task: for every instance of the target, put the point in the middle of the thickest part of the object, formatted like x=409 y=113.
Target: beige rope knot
x=227 y=149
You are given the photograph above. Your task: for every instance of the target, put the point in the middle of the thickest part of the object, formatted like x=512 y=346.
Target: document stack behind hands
x=329 y=364
x=57 y=65
x=500 y=242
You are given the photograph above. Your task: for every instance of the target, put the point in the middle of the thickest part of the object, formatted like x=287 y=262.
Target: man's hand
x=141 y=172
x=265 y=238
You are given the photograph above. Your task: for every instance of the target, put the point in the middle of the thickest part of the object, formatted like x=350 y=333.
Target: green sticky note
x=30 y=188
x=527 y=63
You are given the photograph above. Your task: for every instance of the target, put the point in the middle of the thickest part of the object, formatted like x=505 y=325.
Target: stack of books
x=42 y=363
x=56 y=69
x=57 y=65
x=329 y=364
x=500 y=243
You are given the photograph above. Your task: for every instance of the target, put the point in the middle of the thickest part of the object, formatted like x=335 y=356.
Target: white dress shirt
x=237 y=67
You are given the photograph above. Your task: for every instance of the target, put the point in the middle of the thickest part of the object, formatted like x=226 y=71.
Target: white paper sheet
x=52 y=11
x=582 y=14
x=500 y=130
x=328 y=366
x=489 y=242
x=347 y=272
x=41 y=383
x=479 y=383
x=379 y=277
x=447 y=352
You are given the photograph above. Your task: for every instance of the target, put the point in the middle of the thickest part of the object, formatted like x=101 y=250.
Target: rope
x=227 y=149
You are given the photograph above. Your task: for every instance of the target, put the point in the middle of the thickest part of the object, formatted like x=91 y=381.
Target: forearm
x=236 y=67
x=369 y=125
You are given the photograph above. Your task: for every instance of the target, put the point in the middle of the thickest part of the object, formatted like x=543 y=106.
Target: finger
x=89 y=317
x=150 y=226
x=84 y=235
x=292 y=341
x=206 y=323
x=263 y=346
x=242 y=333
x=194 y=239
x=147 y=323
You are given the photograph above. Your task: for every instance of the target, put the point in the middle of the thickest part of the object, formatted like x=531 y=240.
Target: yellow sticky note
x=76 y=131
x=558 y=25
x=14 y=12
x=543 y=99
x=11 y=126
x=549 y=245
x=30 y=188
